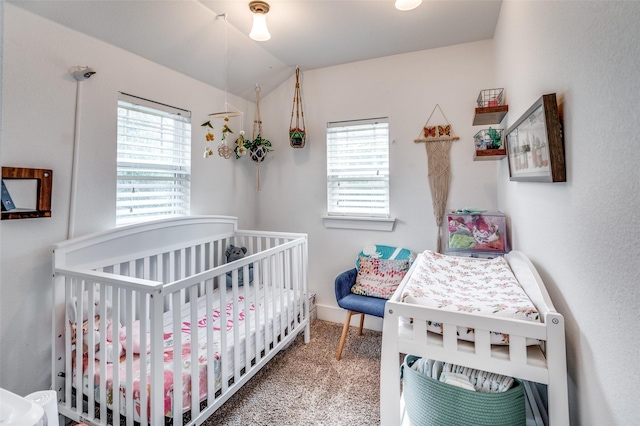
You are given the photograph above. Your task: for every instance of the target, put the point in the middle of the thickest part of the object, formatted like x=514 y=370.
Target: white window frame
x=358 y=174
x=154 y=161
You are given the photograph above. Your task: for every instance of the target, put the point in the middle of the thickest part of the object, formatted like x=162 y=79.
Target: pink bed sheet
x=168 y=386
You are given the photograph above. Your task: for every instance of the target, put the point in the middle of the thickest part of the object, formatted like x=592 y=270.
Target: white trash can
x=48 y=400
x=18 y=411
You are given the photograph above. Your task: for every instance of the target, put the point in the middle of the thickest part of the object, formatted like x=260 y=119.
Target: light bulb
x=259 y=32
x=407 y=4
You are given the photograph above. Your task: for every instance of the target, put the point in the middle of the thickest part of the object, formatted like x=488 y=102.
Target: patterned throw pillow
x=379 y=277
x=377 y=251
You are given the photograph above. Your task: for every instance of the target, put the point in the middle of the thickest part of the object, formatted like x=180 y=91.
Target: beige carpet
x=305 y=385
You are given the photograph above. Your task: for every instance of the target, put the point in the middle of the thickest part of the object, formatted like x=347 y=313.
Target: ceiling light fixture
x=259 y=31
x=407 y=4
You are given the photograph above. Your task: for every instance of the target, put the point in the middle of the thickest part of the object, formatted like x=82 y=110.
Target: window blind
x=154 y=161
x=358 y=167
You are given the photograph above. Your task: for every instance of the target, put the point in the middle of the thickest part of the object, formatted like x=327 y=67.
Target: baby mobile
x=223 y=150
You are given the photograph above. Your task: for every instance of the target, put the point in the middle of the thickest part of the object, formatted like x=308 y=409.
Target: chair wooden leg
x=345 y=330
x=361 y=324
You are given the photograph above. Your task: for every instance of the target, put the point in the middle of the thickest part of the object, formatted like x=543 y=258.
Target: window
x=358 y=168
x=154 y=161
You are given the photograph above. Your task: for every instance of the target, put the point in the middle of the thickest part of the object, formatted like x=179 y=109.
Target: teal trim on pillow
x=385 y=252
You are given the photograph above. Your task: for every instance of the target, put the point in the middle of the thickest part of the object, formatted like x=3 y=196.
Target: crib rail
x=150 y=293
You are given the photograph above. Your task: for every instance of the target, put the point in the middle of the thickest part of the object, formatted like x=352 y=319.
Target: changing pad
x=478 y=286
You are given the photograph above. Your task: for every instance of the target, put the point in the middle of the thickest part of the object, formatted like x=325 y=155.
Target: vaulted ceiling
x=208 y=39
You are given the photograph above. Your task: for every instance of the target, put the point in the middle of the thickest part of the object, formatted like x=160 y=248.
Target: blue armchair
x=354 y=304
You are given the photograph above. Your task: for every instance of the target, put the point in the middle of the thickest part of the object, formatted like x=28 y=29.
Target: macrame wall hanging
x=437 y=140
x=297 y=134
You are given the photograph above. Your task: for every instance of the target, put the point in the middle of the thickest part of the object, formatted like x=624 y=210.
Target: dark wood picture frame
x=44 y=181
x=535 y=146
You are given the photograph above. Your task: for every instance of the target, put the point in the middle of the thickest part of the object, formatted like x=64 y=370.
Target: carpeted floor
x=305 y=385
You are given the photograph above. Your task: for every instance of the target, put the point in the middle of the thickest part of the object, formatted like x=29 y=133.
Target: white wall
x=582 y=234
x=38 y=115
x=405 y=88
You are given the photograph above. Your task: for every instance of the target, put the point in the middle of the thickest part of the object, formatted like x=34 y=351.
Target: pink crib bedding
x=230 y=321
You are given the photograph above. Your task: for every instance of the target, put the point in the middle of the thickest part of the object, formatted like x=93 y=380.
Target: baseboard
x=338 y=315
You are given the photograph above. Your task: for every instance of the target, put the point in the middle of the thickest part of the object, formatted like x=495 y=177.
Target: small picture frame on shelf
x=535 y=146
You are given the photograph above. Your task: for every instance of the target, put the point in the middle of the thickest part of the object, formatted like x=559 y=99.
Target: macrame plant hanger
x=437 y=140
x=257 y=131
x=297 y=134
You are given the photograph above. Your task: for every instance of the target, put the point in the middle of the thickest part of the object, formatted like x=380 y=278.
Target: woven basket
x=433 y=403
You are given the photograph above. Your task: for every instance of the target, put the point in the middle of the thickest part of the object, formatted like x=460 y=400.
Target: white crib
x=544 y=363
x=209 y=326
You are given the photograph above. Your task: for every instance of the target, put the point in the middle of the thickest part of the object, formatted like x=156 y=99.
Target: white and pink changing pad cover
x=266 y=308
x=476 y=286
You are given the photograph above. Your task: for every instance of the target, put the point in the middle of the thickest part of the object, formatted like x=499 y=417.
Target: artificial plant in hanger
x=297 y=134
x=258 y=147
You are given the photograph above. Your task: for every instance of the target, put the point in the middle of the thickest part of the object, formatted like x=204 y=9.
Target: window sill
x=354 y=222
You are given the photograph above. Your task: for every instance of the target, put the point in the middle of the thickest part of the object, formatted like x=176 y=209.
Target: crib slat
x=177 y=358
x=67 y=345
x=144 y=343
x=156 y=307
x=78 y=379
x=288 y=290
x=224 y=357
x=275 y=297
x=247 y=317
x=103 y=365
x=264 y=314
x=257 y=309
x=195 y=352
x=236 y=327
x=91 y=341
x=115 y=315
x=295 y=282
x=129 y=296
x=211 y=370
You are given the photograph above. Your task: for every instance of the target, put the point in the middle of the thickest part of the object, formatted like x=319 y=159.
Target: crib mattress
x=477 y=286
x=222 y=322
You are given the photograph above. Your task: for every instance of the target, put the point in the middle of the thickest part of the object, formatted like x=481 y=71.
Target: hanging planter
x=297 y=134
x=258 y=149
x=258 y=155
x=297 y=138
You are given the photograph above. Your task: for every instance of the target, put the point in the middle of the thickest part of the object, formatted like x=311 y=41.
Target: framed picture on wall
x=535 y=147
